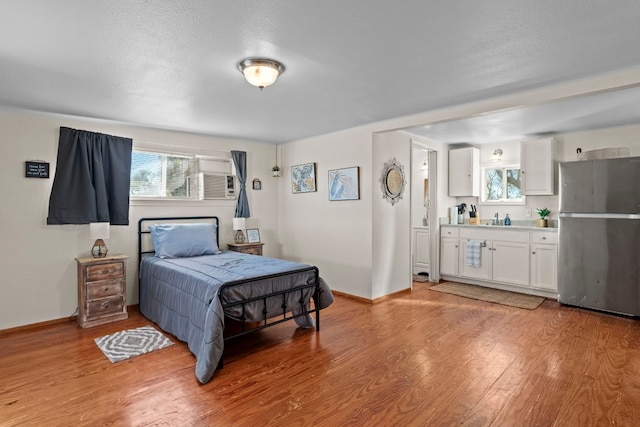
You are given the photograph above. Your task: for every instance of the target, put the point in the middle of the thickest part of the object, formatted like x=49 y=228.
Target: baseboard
x=373 y=301
x=38 y=325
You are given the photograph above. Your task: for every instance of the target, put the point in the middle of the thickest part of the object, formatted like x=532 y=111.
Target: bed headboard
x=145 y=244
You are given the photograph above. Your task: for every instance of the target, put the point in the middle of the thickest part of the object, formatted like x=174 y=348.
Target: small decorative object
x=36 y=169
x=303 y=178
x=253 y=235
x=344 y=184
x=543 y=221
x=99 y=231
x=392 y=181
x=507 y=220
x=239 y=224
x=275 y=171
x=257 y=184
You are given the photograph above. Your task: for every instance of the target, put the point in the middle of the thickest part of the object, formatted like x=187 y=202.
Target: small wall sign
x=34 y=169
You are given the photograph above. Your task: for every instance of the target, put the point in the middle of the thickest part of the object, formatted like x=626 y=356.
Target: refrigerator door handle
x=598 y=216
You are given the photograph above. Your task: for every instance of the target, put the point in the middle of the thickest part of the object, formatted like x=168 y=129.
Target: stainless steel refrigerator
x=599 y=235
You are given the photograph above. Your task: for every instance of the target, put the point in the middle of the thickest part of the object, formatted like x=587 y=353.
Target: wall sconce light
x=497 y=155
x=99 y=231
x=425 y=166
x=260 y=72
x=239 y=224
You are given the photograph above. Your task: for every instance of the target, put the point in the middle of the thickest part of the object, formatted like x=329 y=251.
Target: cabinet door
x=422 y=247
x=537 y=166
x=511 y=263
x=483 y=272
x=544 y=267
x=464 y=170
x=449 y=256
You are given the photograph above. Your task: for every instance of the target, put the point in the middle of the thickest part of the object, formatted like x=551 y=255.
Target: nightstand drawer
x=253 y=251
x=105 y=306
x=113 y=270
x=105 y=289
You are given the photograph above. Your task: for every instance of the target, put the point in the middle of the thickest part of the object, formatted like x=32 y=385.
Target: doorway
x=423 y=208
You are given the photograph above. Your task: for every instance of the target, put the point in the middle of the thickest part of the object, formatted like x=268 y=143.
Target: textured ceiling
x=172 y=64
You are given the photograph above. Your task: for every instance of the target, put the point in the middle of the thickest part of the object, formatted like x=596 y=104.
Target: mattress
x=181 y=295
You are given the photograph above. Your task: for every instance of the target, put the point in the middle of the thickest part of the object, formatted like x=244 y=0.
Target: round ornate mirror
x=392 y=181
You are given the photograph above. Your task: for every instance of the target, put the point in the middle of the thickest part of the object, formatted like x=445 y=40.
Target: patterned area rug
x=513 y=299
x=422 y=278
x=133 y=342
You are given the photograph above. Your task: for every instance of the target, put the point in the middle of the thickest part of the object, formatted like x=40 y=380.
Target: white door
x=449 y=256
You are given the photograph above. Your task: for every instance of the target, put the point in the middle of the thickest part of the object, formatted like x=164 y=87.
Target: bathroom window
x=501 y=185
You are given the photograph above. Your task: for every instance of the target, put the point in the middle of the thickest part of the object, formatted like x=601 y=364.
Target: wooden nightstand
x=246 y=248
x=102 y=290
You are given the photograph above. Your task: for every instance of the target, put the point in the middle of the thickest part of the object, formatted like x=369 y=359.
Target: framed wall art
x=253 y=235
x=303 y=178
x=344 y=184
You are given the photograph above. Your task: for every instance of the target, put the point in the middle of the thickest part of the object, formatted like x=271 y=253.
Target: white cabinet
x=420 y=250
x=482 y=272
x=464 y=172
x=544 y=261
x=449 y=251
x=511 y=263
x=537 y=166
x=503 y=261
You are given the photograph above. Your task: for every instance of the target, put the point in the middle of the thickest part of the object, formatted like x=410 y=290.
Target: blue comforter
x=181 y=296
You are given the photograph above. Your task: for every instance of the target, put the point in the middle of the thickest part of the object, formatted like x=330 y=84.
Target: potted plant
x=543 y=221
x=275 y=171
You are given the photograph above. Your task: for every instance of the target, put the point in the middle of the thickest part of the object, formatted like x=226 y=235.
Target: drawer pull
x=544 y=238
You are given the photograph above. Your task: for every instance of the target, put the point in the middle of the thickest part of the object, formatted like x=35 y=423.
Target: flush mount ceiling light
x=260 y=72
x=497 y=155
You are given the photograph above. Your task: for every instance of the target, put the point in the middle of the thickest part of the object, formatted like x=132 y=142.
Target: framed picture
x=344 y=184
x=303 y=178
x=253 y=235
x=257 y=184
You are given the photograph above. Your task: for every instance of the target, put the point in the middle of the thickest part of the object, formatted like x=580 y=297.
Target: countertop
x=515 y=225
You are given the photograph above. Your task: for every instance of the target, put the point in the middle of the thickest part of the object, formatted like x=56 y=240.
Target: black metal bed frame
x=265 y=321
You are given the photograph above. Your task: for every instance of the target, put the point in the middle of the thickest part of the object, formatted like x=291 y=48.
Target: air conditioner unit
x=212 y=186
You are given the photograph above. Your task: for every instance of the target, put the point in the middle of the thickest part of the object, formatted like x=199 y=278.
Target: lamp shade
x=260 y=72
x=99 y=230
x=239 y=223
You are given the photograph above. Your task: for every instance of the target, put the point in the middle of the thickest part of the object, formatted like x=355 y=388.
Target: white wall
x=335 y=236
x=391 y=257
x=37 y=260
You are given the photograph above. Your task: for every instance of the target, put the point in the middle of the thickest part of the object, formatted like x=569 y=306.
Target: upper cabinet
x=537 y=165
x=464 y=172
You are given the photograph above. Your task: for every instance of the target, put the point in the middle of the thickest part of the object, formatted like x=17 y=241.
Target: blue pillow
x=184 y=240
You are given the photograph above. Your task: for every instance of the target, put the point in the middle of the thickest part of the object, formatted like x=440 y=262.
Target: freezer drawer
x=599 y=264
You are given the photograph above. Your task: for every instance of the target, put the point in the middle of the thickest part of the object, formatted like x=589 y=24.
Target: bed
x=189 y=287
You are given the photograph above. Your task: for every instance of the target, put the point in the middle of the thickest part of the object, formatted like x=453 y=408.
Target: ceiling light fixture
x=260 y=72
x=497 y=155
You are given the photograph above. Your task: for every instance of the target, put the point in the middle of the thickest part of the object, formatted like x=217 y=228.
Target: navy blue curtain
x=91 y=183
x=242 y=206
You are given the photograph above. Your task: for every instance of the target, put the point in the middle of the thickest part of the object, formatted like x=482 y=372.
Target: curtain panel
x=92 y=178
x=240 y=162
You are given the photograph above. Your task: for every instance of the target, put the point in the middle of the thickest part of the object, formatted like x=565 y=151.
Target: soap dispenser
x=507 y=220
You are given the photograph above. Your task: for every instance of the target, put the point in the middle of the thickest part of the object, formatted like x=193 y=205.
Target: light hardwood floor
x=420 y=359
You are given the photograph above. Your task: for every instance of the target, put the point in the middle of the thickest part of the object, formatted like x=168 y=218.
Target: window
x=501 y=184
x=158 y=175
x=161 y=175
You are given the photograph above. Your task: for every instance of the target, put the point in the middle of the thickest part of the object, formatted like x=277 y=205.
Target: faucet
x=496 y=220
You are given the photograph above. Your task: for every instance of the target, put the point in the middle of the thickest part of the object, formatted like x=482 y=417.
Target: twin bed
x=188 y=286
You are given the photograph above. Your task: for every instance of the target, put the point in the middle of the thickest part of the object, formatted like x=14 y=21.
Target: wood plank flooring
x=419 y=359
